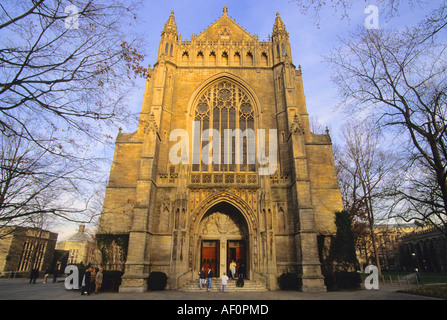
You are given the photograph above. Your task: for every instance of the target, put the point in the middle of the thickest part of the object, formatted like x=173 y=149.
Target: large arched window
x=225 y=114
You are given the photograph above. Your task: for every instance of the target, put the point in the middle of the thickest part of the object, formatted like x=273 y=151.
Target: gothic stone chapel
x=177 y=216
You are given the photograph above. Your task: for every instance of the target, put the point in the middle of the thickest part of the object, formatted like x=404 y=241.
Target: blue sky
x=309 y=42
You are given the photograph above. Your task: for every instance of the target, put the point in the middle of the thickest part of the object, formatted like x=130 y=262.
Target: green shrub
x=157 y=281
x=289 y=281
x=329 y=280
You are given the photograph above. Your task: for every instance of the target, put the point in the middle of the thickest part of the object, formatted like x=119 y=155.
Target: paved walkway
x=173 y=304
x=21 y=289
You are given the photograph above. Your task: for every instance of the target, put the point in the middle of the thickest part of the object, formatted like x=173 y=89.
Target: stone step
x=216 y=286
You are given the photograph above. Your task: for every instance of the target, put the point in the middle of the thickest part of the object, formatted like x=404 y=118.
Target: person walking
x=224 y=279
x=202 y=275
x=209 y=278
x=47 y=273
x=98 y=280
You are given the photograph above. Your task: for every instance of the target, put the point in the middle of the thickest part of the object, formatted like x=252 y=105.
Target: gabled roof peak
x=226 y=26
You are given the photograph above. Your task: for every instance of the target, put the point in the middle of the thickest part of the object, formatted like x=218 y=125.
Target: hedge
x=157 y=281
x=342 y=280
x=289 y=281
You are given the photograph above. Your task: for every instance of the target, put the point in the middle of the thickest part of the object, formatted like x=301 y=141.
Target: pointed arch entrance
x=223 y=235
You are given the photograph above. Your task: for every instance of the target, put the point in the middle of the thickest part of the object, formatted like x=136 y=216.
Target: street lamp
x=417 y=266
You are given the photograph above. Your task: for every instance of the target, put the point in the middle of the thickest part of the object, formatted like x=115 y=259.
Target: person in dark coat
x=202 y=275
x=55 y=274
x=241 y=273
x=86 y=282
x=33 y=276
x=209 y=277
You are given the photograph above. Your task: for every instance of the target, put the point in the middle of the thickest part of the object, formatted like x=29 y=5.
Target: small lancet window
x=185 y=57
x=225 y=59
x=264 y=59
x=212 y=58
x=237 y=59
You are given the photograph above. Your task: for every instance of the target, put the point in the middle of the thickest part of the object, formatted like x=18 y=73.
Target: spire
x=279 y=26
x=225 y=10
x=171 y=25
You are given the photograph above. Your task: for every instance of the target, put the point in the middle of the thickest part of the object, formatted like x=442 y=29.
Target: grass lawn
x=427 y=281
x=424 y=277
x=437 y=291
x=427 y=278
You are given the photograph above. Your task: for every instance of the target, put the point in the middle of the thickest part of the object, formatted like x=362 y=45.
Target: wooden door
x=210 y=256
x=237 y=253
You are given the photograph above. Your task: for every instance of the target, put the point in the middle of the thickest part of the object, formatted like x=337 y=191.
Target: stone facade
x=180 y=216
x=23 y=249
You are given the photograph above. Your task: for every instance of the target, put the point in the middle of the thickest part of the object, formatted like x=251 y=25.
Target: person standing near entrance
x=233 y=269
x=224 y=279
x=241 y=271
x=209 y=278
x=202 y=276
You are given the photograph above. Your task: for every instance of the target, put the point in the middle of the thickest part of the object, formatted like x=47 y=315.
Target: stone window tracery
x=226 y=106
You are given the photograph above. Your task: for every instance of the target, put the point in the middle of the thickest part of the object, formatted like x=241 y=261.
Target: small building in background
x=404 y=247
x=388 y=241
x=424 y=250
x=80 y=246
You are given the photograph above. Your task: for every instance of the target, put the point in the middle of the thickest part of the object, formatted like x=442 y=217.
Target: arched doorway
x=224 y=237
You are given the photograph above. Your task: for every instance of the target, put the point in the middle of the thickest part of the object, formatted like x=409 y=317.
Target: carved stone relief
x=219 y=223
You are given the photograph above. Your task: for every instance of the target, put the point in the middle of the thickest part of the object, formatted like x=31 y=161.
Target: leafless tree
x=66 y=69
x=342 y=8
x=33 y=183
x=69 y=70
x=366 y=173
x=398 y=78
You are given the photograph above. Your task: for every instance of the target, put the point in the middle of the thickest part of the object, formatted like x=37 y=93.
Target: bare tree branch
x=399 y=79
x=63 y=87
